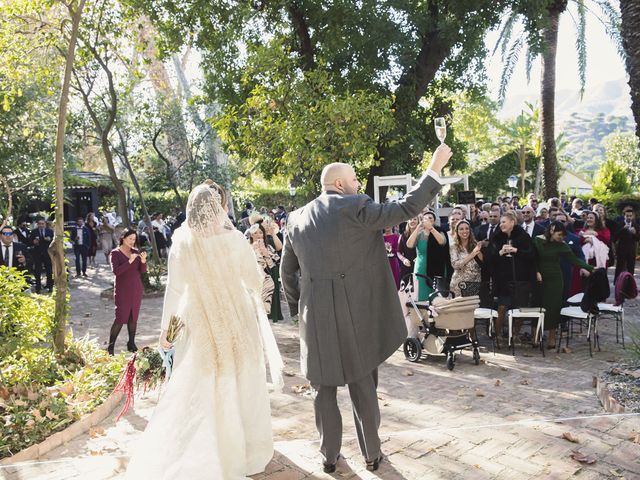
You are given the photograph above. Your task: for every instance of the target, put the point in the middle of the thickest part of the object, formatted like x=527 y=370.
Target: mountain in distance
x=604 y=109
x=610 y=98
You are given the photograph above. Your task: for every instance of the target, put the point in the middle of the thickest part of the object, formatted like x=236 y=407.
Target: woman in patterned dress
x=266 y=257
x=466 y=257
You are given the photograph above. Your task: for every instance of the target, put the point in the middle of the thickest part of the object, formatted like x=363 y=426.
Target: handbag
x=520 y=291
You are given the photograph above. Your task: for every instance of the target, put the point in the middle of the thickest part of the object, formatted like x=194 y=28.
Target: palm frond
x=505 y=34
x=530 y=56
x=509 y=66
x=611 y=23
x=581 y=45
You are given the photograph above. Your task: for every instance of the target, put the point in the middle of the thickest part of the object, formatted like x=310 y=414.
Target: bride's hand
x=163 y=341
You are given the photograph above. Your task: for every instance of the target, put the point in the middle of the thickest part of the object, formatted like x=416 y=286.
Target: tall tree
x=56 y=249
x=276 y=65
x=630 y=32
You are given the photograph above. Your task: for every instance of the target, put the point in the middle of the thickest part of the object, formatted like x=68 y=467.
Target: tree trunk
x=547 y=99
x=630 y=31
x=177 y=147
x=56 y=249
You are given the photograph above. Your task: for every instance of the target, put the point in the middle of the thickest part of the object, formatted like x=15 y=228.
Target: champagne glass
x=509 y=254
x=441 y=128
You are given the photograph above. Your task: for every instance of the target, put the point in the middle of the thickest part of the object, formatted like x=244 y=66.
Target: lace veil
x=217 y=263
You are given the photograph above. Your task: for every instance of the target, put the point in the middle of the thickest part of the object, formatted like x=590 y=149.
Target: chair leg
x=511 y=343
x=622 y=326
x=539 y=332
x=589 y=329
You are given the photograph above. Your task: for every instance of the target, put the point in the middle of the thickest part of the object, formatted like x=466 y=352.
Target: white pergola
x=408 y=182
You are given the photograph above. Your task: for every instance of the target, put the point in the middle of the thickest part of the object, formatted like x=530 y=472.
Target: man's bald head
x=339 y=177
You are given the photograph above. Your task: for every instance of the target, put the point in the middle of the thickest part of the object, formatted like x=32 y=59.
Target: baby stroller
x=444 y=325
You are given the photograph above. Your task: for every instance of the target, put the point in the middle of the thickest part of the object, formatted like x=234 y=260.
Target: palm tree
x=545 y=43
x=630 y=28
x=522 y=136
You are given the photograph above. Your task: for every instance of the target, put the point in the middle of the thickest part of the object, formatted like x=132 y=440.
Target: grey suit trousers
x=366 y=414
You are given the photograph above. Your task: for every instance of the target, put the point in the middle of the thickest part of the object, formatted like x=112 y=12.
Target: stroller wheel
x=450 y=361
x=476 y=356
x=412 y=349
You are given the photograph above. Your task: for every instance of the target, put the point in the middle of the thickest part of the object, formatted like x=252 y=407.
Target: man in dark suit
x=13 y=254
x=346 y=329
x=626 y=239
x=22 y=233
x=81 y=239
x=488 y=230
x=529 y=224
x=41 y=237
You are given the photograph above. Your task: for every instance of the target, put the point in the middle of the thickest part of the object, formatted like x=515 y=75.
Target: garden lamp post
x=513 y=182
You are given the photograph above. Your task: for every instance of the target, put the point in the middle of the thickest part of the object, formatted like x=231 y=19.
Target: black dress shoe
x=131 y=346
x=373 y=465
x=330 y=467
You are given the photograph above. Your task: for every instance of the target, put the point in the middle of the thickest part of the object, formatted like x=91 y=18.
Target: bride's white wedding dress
x=213 y=419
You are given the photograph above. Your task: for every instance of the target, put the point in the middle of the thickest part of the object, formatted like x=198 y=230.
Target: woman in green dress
x=550 y=247
x=431 y=248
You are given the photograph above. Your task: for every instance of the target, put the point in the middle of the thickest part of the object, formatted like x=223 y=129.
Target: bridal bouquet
x=173 y=333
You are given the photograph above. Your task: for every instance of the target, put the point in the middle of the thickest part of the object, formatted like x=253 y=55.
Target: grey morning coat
x=335 y=272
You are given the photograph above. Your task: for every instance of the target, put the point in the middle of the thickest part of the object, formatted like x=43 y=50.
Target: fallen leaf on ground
x=95 y=453
x=386 y=404
x=504 y=369
x=301 y=388
x=582 y=458
x=289 y=374
x=4 y=393
x=408 y=373
x=498 y=382
x=634 y=437
x=632 y=373
x=31 y=395
x=570 y=437
x=616 y=371
x=616 y=473
x=525 y=381
x=594 y=381
x=479 y=393
x=380 y=397
x=51 y=416
x=566 y=350
x=96 y=431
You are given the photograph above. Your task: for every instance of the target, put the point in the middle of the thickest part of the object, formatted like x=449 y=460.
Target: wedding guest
x=106 y=231
x=572 y=281
x=466 y=257
x=41 y=238
x=23 y=233
x=391 y=241
x=612 y=225
x=487 y=230
x=511 y=258
x=626 y=240
x=542 y=215
x=431 y=252
x=551 y=249
x=12 y=254
x=596 y=240
x=92 y=224
x=81 y=239
x=273 y=241
x=529 y=225
x=407 y=255
x=266 y=258
x=127 y=264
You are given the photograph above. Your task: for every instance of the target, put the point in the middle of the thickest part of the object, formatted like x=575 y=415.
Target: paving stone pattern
x=502 y=419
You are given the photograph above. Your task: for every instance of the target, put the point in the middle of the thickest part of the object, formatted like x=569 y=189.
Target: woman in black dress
x=407 y=255
x=511 y=265
x=92 y=224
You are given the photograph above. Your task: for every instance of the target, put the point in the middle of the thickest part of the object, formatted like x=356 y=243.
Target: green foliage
x=491 y=181
x=268 y=198
x=41 y=392
x=622 y=149
x=611 y=178
x=615 y=202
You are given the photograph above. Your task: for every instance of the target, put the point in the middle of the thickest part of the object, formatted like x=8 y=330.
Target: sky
x=603 y=62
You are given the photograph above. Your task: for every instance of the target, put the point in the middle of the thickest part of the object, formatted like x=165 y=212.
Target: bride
x=213 y=420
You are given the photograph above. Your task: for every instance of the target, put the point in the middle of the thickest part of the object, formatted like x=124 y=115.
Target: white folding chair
x=591 y=320
x=605 y=310
x=532 y=312
x=489 y=315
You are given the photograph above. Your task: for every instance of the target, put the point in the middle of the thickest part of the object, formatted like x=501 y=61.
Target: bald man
x=335 y=272
x=528 y=222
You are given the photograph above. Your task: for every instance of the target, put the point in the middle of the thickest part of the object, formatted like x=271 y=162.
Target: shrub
x=610 y=179
x=41 y=392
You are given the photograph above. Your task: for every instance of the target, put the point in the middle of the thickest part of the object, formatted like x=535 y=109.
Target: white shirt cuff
x=434 y=175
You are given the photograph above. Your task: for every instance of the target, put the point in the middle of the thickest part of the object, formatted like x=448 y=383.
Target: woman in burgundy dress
x=127 y=264
x=391 y=240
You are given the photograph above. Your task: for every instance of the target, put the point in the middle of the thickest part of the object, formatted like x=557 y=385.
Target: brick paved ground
x=501 y=419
